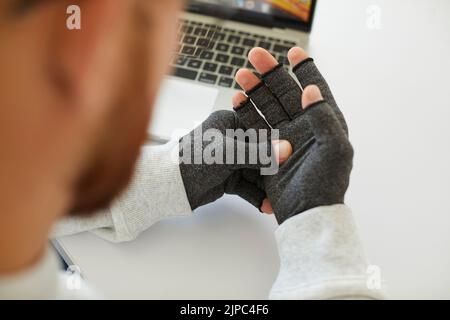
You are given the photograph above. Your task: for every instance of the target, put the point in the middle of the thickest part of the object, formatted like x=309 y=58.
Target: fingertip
x=240 y=73
x=262 y=60
x=256 y=52
x=297 y=55
x=311 y=94
x=266 y=207
x=246 y=79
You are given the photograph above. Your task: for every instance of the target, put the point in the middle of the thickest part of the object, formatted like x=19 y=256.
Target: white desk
x=393 y=86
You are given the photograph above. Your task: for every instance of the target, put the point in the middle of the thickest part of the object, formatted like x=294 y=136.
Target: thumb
x=311 y=94
x=320 y=116
x=282 y=150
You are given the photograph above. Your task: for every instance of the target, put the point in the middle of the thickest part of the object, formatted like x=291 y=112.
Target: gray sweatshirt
x=321 y=256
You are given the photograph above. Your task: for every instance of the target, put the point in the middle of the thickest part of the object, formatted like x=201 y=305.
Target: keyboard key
x=185 y=73
x=222 y=47
x=206 y=55
x=189 y=40
x=202 y=42
x=234 y=39
x=284 y=60
x=195 y=64
x=225 y=82
x=237 y=86
x=249 y=42
x=188 y=50
x=249 y=65
x=207 y=78
x=187 y=29
x=211 y=67
x=264 y=44
x=238 y=62
x=180 y=61
x=280 y=48
x=237 y=50
x=219 y=36
x=211 y=44
x=200 y=32
x=210 y=33
x=226 y=70
x=222 y=58
x=290 y=43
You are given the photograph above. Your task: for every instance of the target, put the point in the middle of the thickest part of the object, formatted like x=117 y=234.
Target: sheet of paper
x=180 y=107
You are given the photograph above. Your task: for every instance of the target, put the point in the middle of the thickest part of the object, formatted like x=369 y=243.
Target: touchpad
x=180 y=107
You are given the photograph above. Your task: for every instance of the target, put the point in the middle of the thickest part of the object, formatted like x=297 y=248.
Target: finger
x=266 y=207
x=297 y=55
x=307 y=74
x=311 y=94
x=282 y=150
x=287 y=91
x=245 y=110
x=238 y=99
x=246 y=79
x=269 y=106
x=262 y=60
x=247 y=113
x=321 y=116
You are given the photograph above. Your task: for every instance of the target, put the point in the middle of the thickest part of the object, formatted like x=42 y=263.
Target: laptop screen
x=297 y=14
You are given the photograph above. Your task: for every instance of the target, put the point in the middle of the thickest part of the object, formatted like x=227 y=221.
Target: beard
x=117 y=148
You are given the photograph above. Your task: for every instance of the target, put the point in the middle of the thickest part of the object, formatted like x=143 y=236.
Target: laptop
x=214 y=38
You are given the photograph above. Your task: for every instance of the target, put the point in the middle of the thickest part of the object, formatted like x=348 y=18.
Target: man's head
x=75 y=104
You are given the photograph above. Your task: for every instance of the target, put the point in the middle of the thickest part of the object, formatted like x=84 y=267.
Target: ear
x=80 y=59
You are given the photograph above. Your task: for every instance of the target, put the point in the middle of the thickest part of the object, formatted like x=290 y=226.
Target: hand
x=317 y=173
x=205 y=183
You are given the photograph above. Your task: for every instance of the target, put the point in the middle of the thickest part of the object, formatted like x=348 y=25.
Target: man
x=74 y=113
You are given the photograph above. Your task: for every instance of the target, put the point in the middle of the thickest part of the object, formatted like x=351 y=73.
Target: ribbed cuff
x=321 y=257
x=156 y=192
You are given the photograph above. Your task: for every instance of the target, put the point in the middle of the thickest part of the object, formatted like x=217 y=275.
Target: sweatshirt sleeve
x=155 y=193
x=321 y=257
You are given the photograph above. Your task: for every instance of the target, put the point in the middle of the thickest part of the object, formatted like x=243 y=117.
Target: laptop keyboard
x=211 y=54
